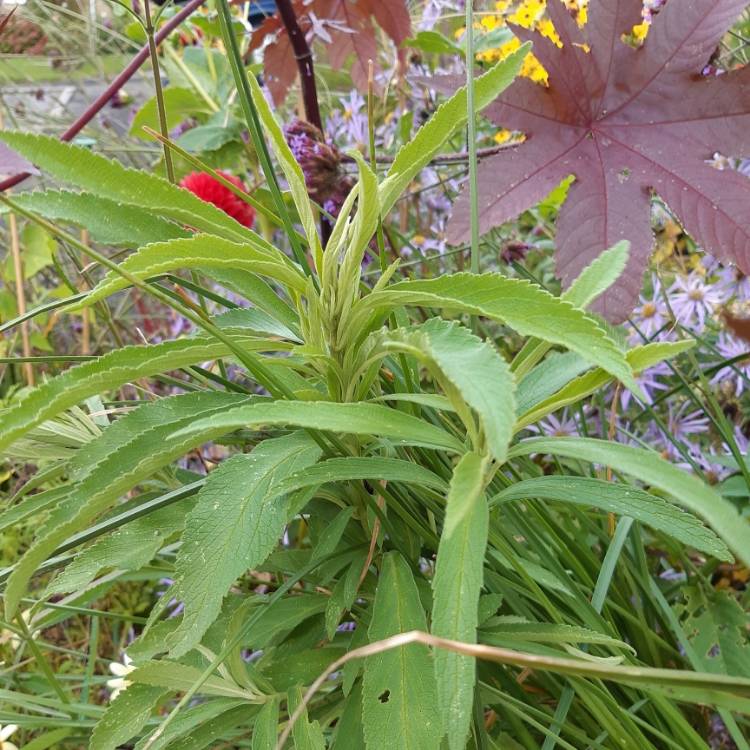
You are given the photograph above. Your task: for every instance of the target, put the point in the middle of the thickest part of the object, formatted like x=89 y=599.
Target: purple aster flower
x=735 y=375
x=684 y=424
x=557 y=426
x=649 y=382
x=693 y=300
x=354 y=119
x=735 y=284
x=652 y=313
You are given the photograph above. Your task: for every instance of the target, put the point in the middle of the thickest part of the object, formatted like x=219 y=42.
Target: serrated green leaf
x=126 y=716
x=516 y=630
x=362 y=229
x=527 y=308
x=290 y=167
x=578 y=388
x=236 y=523
x=307 y=734
x=255 y=321
x=189 y=721
x=347 y=418
x=280 y=617
x=649 y=467
x=457 y=584
x=451 y=116
x=128 y=548
x=110 y=179
x=598 y=276
x=623 y=500
x=31 y=506
x=141 y=448
x=474 y=367
x=107 y=372
x=331 y=534
x=716 y=625
x=177 y=677
x=350 y=468
x=399 y=699
x=266 y=725
x=108 y=221
x=199 y=251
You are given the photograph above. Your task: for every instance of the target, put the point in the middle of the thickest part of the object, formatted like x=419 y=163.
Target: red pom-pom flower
x=212 y=191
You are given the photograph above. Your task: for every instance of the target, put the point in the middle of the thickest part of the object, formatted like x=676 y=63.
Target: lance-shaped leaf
x=132 y=449
x=399 y=700
x=451 y=116
x=200 y=251
x=624 y=122
x=111 y=371
x=108 y=221
x=527 y=308
x=354 y=419
x=110 y=179
x=624 y=500
x=648 y=466
x=473 y=367
x=237 y=521
x=457 y=585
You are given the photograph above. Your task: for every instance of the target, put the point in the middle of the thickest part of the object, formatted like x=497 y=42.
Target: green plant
x=388 y=445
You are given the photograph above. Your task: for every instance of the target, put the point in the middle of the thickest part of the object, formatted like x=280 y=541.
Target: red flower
x=212 y=191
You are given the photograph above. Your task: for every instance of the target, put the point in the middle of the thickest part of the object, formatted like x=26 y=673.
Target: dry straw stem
x=656 y=678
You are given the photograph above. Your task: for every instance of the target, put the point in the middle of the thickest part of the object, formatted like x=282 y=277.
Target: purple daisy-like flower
x=354 y=119
x=684 y=424
x=553 y=425
x=649 y=382
x=735 y=375
x=735 y=284
x=693 y=300
x=652 y=313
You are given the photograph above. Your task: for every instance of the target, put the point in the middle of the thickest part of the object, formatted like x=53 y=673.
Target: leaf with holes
x=624 y=122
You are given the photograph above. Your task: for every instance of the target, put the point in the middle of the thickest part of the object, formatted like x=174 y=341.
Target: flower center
x=649 y=310
x=696 y=295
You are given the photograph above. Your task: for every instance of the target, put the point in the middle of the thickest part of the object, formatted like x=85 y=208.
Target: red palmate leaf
x=346 y=26
x=625 y=122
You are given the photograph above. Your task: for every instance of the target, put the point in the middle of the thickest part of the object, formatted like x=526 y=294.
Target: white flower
x=5 y=732
x=15 y=640
x=119 y=683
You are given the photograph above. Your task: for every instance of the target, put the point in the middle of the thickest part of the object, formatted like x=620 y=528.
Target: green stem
x=472 y=137
x=158 y=88
x=253 y=123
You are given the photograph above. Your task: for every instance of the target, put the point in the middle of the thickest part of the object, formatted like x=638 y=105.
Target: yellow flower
x=546 y=28
x=458 y=33
x=502 y=136
x=527 y=13
x=489 y=23
x=534 y=70
x=502 y=5
x=639 y=32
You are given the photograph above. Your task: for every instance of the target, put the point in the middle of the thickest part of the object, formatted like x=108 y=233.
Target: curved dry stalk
x=715 y=686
